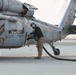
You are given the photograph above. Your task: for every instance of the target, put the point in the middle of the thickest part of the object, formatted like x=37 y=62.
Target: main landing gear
x=56 y=50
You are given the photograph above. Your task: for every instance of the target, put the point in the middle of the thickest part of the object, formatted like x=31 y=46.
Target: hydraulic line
x=57 y=58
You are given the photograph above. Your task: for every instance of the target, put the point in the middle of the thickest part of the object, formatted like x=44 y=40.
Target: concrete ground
x=21 y=61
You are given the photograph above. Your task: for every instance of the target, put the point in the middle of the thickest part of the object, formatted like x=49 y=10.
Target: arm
x=30 y=36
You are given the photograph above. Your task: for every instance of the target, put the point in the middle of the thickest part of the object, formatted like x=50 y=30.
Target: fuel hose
x=57 y=58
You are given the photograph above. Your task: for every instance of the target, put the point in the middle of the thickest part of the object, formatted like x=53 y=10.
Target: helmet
x=33 y=25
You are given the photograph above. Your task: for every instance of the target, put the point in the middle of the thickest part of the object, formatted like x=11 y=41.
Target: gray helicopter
x=15 y=20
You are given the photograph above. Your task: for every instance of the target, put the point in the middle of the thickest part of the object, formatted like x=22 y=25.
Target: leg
x=40 y=46
x=41 y=40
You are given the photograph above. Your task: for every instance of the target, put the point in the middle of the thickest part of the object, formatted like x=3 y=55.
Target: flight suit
x=37 y=33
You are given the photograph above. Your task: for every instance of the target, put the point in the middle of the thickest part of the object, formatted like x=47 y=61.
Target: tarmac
x=21 y=61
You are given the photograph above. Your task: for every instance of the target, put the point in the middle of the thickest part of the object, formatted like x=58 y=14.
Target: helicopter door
x=14 y=33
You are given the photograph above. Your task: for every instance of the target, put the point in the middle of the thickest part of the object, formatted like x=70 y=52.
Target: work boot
x=37 y=58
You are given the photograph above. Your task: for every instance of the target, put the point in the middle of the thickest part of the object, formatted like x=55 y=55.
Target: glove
x=28 y=39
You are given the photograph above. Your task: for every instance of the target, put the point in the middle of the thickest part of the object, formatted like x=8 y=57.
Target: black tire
x=57 y=52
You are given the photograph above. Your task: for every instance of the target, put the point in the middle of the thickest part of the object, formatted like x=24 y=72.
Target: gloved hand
x=28 y=39
x=30 y=36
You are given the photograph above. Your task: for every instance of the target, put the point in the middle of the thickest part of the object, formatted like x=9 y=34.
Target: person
x=38 y=36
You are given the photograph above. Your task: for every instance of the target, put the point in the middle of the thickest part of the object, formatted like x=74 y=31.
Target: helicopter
x=15 y=20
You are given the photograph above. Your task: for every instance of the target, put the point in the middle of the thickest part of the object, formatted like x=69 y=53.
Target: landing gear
x=56 y=50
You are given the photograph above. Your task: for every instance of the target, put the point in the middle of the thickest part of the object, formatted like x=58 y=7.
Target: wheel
x=57 y=52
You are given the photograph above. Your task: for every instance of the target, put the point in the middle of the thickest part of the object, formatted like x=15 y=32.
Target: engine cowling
x=17 y=7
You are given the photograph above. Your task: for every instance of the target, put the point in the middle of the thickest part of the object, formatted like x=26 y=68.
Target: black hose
x=57 y=58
